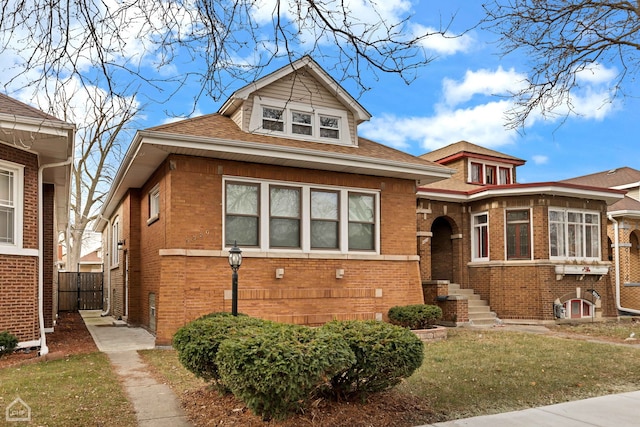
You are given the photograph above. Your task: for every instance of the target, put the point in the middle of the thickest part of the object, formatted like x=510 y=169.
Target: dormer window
x=272 y=119
x=489 y=174
x=299 y=121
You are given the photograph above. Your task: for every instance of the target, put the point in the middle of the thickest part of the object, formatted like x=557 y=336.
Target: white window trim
x=506 y=256
x=16 y=248
x=115 y=237
x=474 y=254
x=305 y=220
x=566 y=234
x=154 y=194
x=288 y=107
x=483 y=173
x=568 y=313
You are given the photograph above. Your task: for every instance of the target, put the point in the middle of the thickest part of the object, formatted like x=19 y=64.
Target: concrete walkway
x=615 y=410
x=155 y=404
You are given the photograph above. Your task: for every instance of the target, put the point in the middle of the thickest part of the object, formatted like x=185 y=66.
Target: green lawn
x=477 y=372
x=482 y=372
x=79 y=390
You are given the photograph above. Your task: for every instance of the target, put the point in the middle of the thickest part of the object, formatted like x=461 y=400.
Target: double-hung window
x=476 y=173
x=490 y=174
x=11 y=200
x=284 y=218
x=300 y=121
x=272 y=119
x=480 y=237
x=115 y=238
x=518 y=234
x=300 y=217
x=154 y=204
x=7 y=206
x=242 y=214
x=574 y=234
x=325 y=219
x=361 y=221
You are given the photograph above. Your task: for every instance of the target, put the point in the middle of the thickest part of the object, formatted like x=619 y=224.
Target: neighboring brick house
x=624 y=233
x=534 y=252
x=36 y=152
x=325 y=219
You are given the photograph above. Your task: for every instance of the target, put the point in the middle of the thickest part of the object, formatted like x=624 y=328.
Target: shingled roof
x=465 y=147
x=609 y=178
x=14 y=107
x=222 y=127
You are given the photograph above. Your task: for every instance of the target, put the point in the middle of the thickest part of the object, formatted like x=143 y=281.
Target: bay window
x=300 y=217
x=574 y=234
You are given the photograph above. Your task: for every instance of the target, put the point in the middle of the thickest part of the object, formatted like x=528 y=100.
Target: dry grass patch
x=79 y=390
x=473 y=372
x=616 y=331
x=483 y=372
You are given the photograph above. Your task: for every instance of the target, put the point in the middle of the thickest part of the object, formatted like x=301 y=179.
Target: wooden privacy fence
x=79 y=291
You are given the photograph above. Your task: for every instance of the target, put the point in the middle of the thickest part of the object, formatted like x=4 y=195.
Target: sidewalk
x=155 y=404
x=615 y=410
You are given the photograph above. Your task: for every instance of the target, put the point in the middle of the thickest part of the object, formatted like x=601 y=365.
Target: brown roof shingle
x=14 y=107
x=466 y=147
x=608 y=179
x=219 y=126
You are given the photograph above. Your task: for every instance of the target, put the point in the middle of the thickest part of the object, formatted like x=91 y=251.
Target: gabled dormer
x=298 y=101
x=477 y=165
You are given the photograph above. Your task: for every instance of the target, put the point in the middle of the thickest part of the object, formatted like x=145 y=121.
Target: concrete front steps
x=480 y=313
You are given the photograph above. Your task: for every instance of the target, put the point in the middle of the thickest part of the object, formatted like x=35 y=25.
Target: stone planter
x=437 y=333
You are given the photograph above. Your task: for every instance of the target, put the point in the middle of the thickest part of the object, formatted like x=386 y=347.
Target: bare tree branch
x=561 y=39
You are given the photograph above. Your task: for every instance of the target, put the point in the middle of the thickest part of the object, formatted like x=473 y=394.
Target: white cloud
x=540 y=159
x=597 y=74
x=481 y=82
x=482 y=124
x=447 y=44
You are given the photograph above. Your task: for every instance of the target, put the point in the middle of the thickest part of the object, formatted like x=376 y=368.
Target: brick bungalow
x=36 y=151
x=325 y=219
x=534 y=252
x=623 y=230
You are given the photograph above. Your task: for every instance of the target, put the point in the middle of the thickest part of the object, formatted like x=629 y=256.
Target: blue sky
x=460 y=95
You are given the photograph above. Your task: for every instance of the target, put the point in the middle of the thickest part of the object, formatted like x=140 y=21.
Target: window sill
x=580 y=270
x=14 y=250
x=153 y=219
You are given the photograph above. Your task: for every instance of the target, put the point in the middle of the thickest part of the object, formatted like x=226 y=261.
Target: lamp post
x=235 y=260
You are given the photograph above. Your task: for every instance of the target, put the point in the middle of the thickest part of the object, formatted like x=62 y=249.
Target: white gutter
x=617 y=263
x=107 y=260
x=44 y=350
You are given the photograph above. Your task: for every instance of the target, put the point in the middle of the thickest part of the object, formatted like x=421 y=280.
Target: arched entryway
x=441 y=250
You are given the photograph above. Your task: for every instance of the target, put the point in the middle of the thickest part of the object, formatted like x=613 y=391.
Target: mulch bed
x=70 y=336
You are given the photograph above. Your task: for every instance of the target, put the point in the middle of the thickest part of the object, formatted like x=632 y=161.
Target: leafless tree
x=101 y=140
x=561 y=39
x=217 y=42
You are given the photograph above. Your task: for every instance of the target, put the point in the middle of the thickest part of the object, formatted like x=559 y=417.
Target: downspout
x=106 y=259
x=617 y=264
x=44 y=350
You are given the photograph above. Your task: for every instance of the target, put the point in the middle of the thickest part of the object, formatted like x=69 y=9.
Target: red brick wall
x=19 y=274
x=191 y=219
x=48 y=247
x=514 y=289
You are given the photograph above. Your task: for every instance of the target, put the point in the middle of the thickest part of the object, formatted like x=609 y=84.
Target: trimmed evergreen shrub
x=418 y=316
x=8 y=343
x=278 y=369
x=197 y=342
x=385 y=354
